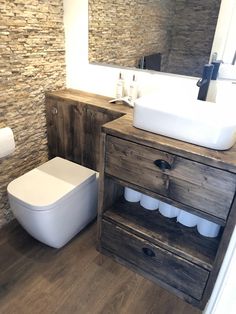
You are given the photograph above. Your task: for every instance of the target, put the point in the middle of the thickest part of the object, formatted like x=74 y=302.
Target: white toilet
x=55 y=201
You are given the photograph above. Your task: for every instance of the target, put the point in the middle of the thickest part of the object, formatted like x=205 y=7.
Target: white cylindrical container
x=187 y=219
x=132 y=195
x=133 y=91
x=208 y=228
x=7 y=142
x=149 y=202
x=168 y=210
x=120 y=87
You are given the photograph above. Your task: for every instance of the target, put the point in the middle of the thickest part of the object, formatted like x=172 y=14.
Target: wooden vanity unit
x=199 y=180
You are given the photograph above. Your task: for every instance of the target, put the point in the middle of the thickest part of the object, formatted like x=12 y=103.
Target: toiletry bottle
x=133 y=91
x=214 y=57
x=120 y=87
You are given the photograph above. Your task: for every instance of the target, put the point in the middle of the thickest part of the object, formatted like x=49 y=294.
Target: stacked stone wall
x=120 y=32
x=32 y=61
x=193 y=30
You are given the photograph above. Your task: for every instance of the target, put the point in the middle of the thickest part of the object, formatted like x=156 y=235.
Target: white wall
x=101 y=80
x=224 y=39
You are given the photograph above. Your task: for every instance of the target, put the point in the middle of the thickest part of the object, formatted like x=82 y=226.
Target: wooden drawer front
x=188 y=182
x=161 y=264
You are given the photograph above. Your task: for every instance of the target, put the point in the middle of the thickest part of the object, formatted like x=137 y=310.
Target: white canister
x=208 y=228
x=7 y=142
x=149 y=202
x=132 y=195
x=187 y=219
x=168 y=210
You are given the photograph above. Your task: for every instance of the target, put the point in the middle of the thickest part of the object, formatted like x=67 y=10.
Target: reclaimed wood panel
x=74 y=127
x=168 y=200
x=93 y=122
x=123 y=128
x=160 y=263
x=221 y=252
x=65 y=130
x=90 y=99
x=191 y=183
x=164 y=232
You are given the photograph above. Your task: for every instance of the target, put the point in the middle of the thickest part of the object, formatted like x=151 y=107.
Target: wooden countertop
x=90 y=99
x=123 y=127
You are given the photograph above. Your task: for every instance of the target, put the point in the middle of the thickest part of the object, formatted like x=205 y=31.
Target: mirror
x=172 y=36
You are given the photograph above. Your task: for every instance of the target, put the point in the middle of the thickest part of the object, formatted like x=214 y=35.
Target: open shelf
x=166 y=199
x=164 y=232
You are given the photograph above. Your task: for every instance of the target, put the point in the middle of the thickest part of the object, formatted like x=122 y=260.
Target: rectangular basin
x=208 y=124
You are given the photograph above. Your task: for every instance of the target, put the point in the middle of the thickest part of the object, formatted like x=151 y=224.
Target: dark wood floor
x=75 y=279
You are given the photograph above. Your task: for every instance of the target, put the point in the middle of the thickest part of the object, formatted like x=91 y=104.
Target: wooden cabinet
x=74 y=121
x=192 y=178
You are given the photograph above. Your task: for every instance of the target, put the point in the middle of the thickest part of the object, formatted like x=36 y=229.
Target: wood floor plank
x=37 y=279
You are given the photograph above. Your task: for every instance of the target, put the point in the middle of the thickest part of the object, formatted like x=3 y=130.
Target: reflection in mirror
x=224 y=45
x=229 y=54
x=178 y=34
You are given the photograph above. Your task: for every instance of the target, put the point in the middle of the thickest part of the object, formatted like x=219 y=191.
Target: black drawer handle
x=162 y=164
x=148 y=252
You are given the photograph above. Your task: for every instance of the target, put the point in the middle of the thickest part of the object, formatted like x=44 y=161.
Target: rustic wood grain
x=167 y=200
x=194 y=184
x=201 y=181
x=164 y=232
x=75 y=279
x=101 y=193
x=215 y=178
x=223 y=246
x=74 y=121
x=123 y=128
x=94 y=120
x=65 y=129
x=164 y=265
x=90 y=99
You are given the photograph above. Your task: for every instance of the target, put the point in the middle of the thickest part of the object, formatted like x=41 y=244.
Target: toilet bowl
x=54 y=201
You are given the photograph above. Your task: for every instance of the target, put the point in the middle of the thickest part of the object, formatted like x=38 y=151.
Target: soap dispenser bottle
x=120 y=87
x=133 y=91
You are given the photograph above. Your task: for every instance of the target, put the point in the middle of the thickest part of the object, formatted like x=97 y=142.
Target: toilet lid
x=49 y=183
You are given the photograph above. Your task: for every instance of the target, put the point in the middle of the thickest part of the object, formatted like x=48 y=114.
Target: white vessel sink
x=212 y=125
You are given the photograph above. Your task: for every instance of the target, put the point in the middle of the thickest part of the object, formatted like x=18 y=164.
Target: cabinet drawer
x=188 y=182
x=159 y=263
